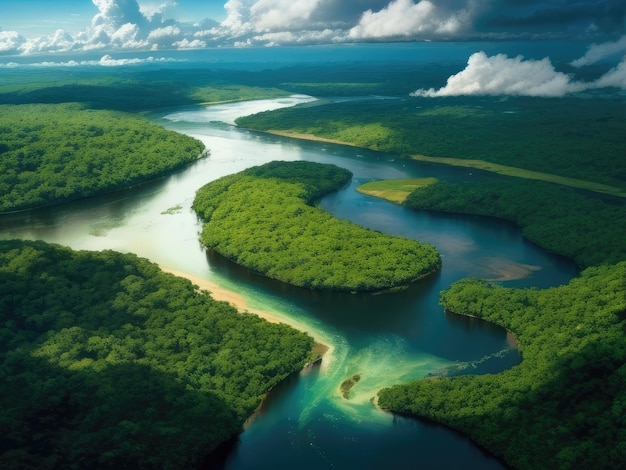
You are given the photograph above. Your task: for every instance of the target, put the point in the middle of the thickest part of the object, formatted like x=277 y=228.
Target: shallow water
x=387 y=339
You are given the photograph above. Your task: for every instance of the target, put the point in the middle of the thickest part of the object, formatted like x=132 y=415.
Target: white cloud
x=128 y=37
x=289 y=37
x=11 y=42
x=614 y=78
x=501 y=75
x=153 y=10
x=187 y=44
x=148 y=24
x=164 y=37
x=281 y=15
x=408 y=19
x=598 y=52
x=105 y=61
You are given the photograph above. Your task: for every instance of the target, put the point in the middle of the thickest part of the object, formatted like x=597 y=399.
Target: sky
x=32 y=27
x=46 y=26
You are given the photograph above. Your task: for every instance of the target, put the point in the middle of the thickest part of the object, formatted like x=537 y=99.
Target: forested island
x=57 y=153
x=108 y=362
x=583 y=227
x=263 y=218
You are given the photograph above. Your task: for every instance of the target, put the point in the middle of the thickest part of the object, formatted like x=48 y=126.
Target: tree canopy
x=570 y=137
x=582 y=227
x=108 y=362
x=564 y=406
x=262 y=219
x=56 y=153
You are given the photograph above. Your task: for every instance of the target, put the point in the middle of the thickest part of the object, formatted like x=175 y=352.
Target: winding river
x=306 y=422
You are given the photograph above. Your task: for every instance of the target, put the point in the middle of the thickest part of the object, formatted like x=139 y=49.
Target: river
x=387 y=339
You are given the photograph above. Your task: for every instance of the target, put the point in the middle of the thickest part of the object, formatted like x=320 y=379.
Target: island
x=264 y=219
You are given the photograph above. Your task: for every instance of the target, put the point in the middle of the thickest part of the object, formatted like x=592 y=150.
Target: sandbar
x=241 y=304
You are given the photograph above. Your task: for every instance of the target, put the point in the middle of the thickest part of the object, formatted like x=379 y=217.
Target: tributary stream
x=386 y=339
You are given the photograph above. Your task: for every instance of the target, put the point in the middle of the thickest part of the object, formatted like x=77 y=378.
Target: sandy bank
x=241 y=304
x=313 y=137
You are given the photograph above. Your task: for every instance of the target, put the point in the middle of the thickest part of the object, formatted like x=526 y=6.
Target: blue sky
x=34 y=18
x=75 y=27
x=49 y=26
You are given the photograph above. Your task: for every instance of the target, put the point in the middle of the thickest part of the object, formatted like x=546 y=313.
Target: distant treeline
x=56 y=153
x=263 y=219
x=108 y=362
x=574 y=137
x=133 y=92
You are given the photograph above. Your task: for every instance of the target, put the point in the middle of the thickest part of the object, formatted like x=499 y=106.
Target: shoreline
x=241 y=304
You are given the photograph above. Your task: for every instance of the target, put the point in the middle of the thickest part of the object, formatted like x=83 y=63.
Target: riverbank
x=480 y=165
x=241 y=304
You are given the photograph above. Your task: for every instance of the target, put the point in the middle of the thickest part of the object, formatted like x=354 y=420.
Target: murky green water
x=387 y=339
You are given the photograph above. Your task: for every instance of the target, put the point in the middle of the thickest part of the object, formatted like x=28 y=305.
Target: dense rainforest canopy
x=262 y=218
x=56 y=153
x=564 y=406
x=108 y=362
x=584 y=227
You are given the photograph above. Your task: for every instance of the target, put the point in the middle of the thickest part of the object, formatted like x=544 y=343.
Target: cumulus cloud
x=405 y=18
x=598 y=52
x=281 y=15
x=501 y=75
x=614 y=78
x=105 y=61
x=11 y=42
x=148 y=24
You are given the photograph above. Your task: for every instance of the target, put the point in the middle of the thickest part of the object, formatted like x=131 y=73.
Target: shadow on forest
x=120 y=97
x=124 y=416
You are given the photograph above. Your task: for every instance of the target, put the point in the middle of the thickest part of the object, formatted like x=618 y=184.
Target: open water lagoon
x=386 y=339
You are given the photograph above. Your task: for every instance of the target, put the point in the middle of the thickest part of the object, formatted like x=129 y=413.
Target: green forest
x=57 y=153
x=131 y=92
x=263 y=219
x=108 y=362
x=564 y=406
x=561 y=136
x=586 y=228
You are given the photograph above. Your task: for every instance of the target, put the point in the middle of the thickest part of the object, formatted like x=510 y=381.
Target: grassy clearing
x=394 y=190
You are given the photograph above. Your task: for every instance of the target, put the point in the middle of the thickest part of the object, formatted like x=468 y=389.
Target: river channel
x=387 y=339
